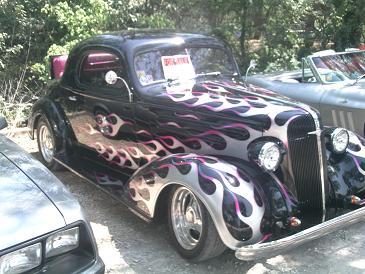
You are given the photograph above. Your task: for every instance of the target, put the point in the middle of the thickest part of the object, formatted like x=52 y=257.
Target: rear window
x=96 y=64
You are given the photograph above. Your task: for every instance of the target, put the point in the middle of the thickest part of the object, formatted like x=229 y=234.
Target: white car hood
x=25 y=211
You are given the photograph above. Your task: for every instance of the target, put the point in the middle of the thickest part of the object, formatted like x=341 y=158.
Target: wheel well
x=162 y=204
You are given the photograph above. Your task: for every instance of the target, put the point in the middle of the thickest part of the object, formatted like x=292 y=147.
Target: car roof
x=149 y=38
x=140 y=34
x=132 y=42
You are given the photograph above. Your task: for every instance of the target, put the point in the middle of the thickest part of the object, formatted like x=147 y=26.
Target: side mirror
x=111 y=77
x=3 y=123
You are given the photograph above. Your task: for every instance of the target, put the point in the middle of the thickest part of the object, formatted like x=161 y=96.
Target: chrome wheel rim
x=186 y=218
x=46 y=143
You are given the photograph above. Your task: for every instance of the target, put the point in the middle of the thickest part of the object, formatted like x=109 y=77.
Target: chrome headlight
x=62 y=242
x=267 y=155
x=339 y=140
x=21 y=260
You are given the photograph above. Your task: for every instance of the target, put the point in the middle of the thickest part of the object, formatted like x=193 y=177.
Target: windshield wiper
x=204 y=74
x=358 y=79
x=173 y=81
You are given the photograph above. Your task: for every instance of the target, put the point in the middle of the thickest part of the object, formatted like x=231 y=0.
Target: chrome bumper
x=270 y=249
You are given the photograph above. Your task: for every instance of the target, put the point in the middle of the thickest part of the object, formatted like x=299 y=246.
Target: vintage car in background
x=163 y=123
x=332 y=82
x=43 y=229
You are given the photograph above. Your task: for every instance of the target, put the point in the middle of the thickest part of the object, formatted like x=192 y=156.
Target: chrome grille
x=304 y=159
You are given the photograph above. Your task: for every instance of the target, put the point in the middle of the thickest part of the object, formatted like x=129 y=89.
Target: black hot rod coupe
x=162 y=122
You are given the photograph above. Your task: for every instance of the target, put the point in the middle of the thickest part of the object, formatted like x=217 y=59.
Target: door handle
x=72 y=98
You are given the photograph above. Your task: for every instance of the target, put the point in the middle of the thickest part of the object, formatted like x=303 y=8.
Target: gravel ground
x=129 y=245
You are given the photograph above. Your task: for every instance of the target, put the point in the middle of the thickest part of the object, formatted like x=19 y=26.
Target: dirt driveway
x=129 y=245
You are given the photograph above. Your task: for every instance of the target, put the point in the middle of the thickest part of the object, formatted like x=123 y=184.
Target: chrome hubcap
x=46 y=143
x=186 y=218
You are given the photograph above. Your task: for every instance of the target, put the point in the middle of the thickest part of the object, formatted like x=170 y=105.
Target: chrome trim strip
x=320 y=153
x=76 y=91
x=270 y=249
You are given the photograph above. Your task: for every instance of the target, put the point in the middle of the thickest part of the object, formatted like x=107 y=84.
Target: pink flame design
x=265 y=238
x=234 y=125
x=102 y=121
x=191 y=116
x=171 y=124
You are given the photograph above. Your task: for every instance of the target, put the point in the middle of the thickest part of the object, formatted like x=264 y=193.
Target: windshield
x=340 y=67
x=187 y=63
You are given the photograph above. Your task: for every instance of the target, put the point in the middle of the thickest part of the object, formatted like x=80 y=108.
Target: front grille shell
x=305 y=162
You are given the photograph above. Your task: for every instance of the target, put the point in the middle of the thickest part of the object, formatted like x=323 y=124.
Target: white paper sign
x=177 y=67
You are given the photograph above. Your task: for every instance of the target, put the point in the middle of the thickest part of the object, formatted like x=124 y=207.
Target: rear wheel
x=193 y=232
x=47 y=144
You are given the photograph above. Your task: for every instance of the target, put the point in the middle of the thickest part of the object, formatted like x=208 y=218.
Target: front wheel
x=47 y=144
x=193 y=232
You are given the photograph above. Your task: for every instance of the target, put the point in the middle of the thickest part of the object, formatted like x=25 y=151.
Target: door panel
x=101 y=116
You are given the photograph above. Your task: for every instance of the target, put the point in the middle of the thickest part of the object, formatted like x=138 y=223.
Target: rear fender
x=63 y=134
x=240 y=202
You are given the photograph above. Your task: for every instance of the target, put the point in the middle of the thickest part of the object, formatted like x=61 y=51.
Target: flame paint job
x=236 y=202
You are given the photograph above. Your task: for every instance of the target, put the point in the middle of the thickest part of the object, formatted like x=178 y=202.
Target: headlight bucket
x=21 y=260
x=62 y=242
x=339 y=139
x=73 y=244
x=267 y=155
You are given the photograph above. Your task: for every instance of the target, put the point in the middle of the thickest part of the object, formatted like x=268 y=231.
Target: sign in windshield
x=177 y=66
x=172 y=63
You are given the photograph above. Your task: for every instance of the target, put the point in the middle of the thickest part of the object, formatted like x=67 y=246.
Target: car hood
x=259 y=107
x=37 y=176
x=25 y=211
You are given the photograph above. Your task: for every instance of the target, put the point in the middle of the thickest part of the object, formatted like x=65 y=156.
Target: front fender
x=347 y=171
x=244 y=202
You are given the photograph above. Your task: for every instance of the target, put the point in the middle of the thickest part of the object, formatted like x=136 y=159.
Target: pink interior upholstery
x=58 y=65
x=94 y=62
x=101 y=61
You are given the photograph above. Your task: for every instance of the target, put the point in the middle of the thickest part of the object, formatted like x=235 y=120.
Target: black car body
x=161 y=121
x=36 y=209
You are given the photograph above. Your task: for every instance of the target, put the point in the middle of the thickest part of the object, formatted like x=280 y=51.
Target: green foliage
x=77 y=19
x=76 y=22
x=277 y=33
x=156 y=20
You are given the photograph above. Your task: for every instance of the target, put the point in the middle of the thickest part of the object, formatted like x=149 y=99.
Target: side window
x=96 y=64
